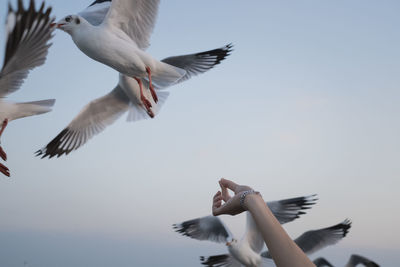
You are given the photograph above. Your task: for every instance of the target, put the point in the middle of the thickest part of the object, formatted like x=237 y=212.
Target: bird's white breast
x=245 y=255
x=110 y=47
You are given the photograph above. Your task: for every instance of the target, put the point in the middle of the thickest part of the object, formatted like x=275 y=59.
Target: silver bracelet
x=243 y=196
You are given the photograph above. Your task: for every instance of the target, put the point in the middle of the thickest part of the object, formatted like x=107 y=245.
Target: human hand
x=231 y=204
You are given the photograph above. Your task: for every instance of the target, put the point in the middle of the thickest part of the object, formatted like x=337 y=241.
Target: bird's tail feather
x=137 y=112
x=165 y=75
x=34 y=108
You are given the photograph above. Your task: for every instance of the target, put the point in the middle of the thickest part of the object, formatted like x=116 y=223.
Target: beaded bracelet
x=243 y=196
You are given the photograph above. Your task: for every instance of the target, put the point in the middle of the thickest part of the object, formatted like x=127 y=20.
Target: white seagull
x=119 y=42
x=353 y=262
x=126 y=96
x=28 y=32
x=247 y=250
x=241 y=253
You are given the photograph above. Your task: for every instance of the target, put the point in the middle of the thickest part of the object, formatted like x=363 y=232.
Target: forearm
x=282 y=248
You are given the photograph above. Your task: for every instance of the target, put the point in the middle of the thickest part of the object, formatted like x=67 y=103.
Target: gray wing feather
x=198 y=63
x=206 y=228
x=96 y=12
x=357 y=259
x=224 y=260
x=315 y=240
x=287 y=210
x=321 y=262
x=135 y=17
x=92 y=119
x=27 y=44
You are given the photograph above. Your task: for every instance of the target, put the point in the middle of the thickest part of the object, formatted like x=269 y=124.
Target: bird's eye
x=68 y=19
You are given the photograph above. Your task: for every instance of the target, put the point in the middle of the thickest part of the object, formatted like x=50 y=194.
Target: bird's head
x=68 y=23
x=232 y=243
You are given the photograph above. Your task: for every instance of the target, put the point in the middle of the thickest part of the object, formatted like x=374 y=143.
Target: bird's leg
x=144 y=100
x=153 y=92
x=5 y=122
x=3 y=154
x=4 y=170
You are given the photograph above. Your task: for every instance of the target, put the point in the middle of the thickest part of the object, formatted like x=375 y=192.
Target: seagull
x=119 y=42
x=246 y=251
x=353 y=261
x=126 y=96
x=28 y=32
x=309 y=242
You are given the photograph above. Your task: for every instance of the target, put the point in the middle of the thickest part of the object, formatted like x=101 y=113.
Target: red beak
x=57 y=25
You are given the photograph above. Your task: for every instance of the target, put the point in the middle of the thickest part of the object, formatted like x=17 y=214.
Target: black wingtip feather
x=343 y=226
x=220 y=53
x=27 y=21
x=55 y=147
x=216 y=260
x=99 y=2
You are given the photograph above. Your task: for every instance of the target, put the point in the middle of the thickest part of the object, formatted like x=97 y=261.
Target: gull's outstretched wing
x=135 y=17
x=357 y=259
x=224 y=260
x=96 y=12
x=285 y=210
x=315 y=240
x=198 y=63
x=92 y=119
x=322 y=262
x=209 y=228
x=28 y=33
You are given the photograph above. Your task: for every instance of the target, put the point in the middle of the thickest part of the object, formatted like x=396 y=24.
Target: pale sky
x=307 y=103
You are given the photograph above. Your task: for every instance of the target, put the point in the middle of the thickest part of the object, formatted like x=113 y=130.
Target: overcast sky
x=307 y=103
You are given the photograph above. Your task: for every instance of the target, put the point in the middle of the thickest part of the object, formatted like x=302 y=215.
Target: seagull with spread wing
x=28 y=33
x=247 y=250
x=126 y=97
x=354 y=261
x=309 y=242
x=119 y=42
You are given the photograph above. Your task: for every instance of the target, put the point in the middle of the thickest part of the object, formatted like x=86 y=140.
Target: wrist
x=248 y=199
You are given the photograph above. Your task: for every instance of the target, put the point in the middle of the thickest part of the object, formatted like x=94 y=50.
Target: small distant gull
x=309 y=242
x=354 y=260
x=126 y=96
x=247 y=250
x=119 y=42
x=28 y=33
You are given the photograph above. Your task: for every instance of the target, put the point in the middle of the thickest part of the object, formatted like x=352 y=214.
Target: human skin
x=282 y=248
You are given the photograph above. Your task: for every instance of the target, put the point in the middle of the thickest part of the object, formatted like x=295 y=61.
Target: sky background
x=307 y=103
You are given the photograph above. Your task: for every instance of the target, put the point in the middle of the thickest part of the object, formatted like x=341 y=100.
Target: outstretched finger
x=225 y=193
x=217 y=195
x=217 y=203
x=229 y=184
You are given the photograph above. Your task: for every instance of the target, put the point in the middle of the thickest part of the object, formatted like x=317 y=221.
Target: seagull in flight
x=126 y=96
x=28 y=33
x=354 y=261
x=119 y=42
x=243 y=254
x=247 y=250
